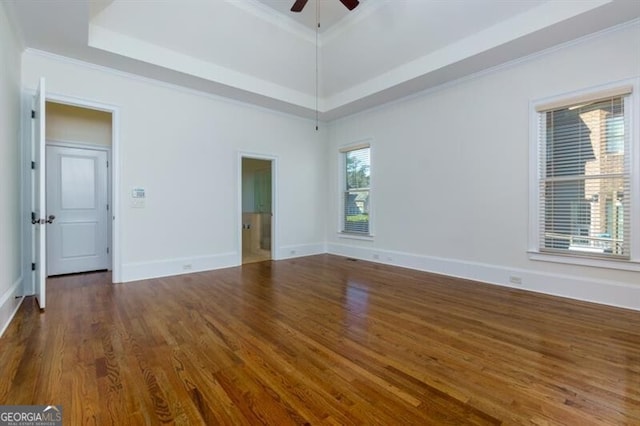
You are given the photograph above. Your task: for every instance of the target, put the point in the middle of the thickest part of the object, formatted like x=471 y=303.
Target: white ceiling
x=257 y=51
x=329 y=12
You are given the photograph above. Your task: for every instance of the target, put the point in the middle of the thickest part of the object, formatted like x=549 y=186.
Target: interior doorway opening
x=257 y=209
x=34 y=185
x=78 y=189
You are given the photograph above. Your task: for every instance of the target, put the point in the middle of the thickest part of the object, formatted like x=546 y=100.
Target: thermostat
x=137 y=193
x=138 y=196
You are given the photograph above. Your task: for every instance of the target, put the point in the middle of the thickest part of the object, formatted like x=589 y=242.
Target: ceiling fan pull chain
x=317 y=72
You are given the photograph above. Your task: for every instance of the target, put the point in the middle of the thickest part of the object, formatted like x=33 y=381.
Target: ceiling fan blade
x=298 y=5
x=350 y=4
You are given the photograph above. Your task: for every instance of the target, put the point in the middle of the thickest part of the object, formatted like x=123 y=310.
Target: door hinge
x=33 y=165
x=107 y=163
x=33 y=266
x=107 y=207
x=33 y=113
x=33 y=218
x=107 y=250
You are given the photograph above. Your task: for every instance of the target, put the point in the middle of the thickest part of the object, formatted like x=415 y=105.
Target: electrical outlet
x=292 y=252
x=376 y=256
x=515 y=280
x=187 y=267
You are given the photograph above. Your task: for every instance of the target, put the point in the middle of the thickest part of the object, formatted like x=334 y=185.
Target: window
x=583 y=198
x=356 y=189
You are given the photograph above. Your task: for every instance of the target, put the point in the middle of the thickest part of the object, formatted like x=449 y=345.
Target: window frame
x=342 y=189
x=632 y=109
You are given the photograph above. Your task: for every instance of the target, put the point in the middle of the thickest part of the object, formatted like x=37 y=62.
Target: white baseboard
x=289 y=252
x=136 y=271
x=574 y=287
x=163 y=268
x=10 y=301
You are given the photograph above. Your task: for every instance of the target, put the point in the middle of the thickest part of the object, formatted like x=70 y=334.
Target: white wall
x=182 y=147
x=450 y=172
x=10 y=157
x=450 y=187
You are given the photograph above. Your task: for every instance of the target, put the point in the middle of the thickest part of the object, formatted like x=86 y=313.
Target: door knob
x=36 y=221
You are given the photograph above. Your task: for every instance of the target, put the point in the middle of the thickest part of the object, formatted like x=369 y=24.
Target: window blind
x=585 y=179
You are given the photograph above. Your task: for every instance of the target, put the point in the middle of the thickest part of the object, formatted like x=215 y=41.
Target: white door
x=77 y=196
x=38 y=217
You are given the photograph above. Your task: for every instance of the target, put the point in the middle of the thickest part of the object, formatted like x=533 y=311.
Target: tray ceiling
x=257 y=51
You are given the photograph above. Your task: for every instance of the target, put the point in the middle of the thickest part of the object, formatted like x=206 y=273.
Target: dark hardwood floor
x=320 y=340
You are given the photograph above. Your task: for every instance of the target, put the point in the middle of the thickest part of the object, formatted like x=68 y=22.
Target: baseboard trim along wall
x=579 y=288
x=289 y=252
x=136 y=271
x=10 y=301
x=163 y=268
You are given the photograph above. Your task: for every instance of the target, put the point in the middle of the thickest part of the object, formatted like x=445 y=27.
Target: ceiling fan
x=299 y=4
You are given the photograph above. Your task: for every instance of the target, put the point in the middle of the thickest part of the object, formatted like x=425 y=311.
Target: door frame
x=27 y=181
x=104 y=148
x=274 y=202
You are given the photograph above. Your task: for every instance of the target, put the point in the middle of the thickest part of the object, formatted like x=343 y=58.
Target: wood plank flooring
x=320 y=340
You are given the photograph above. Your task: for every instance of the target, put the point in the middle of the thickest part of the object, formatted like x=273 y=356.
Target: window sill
x=623 y=265
x=348 y=236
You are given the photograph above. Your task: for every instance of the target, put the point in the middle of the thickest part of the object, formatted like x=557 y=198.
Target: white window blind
x=584 y=178
x=357 y=168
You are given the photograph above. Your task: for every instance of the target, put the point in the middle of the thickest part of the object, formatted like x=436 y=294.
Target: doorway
x=35 y=133
x=257 y=209
x=78 y=189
